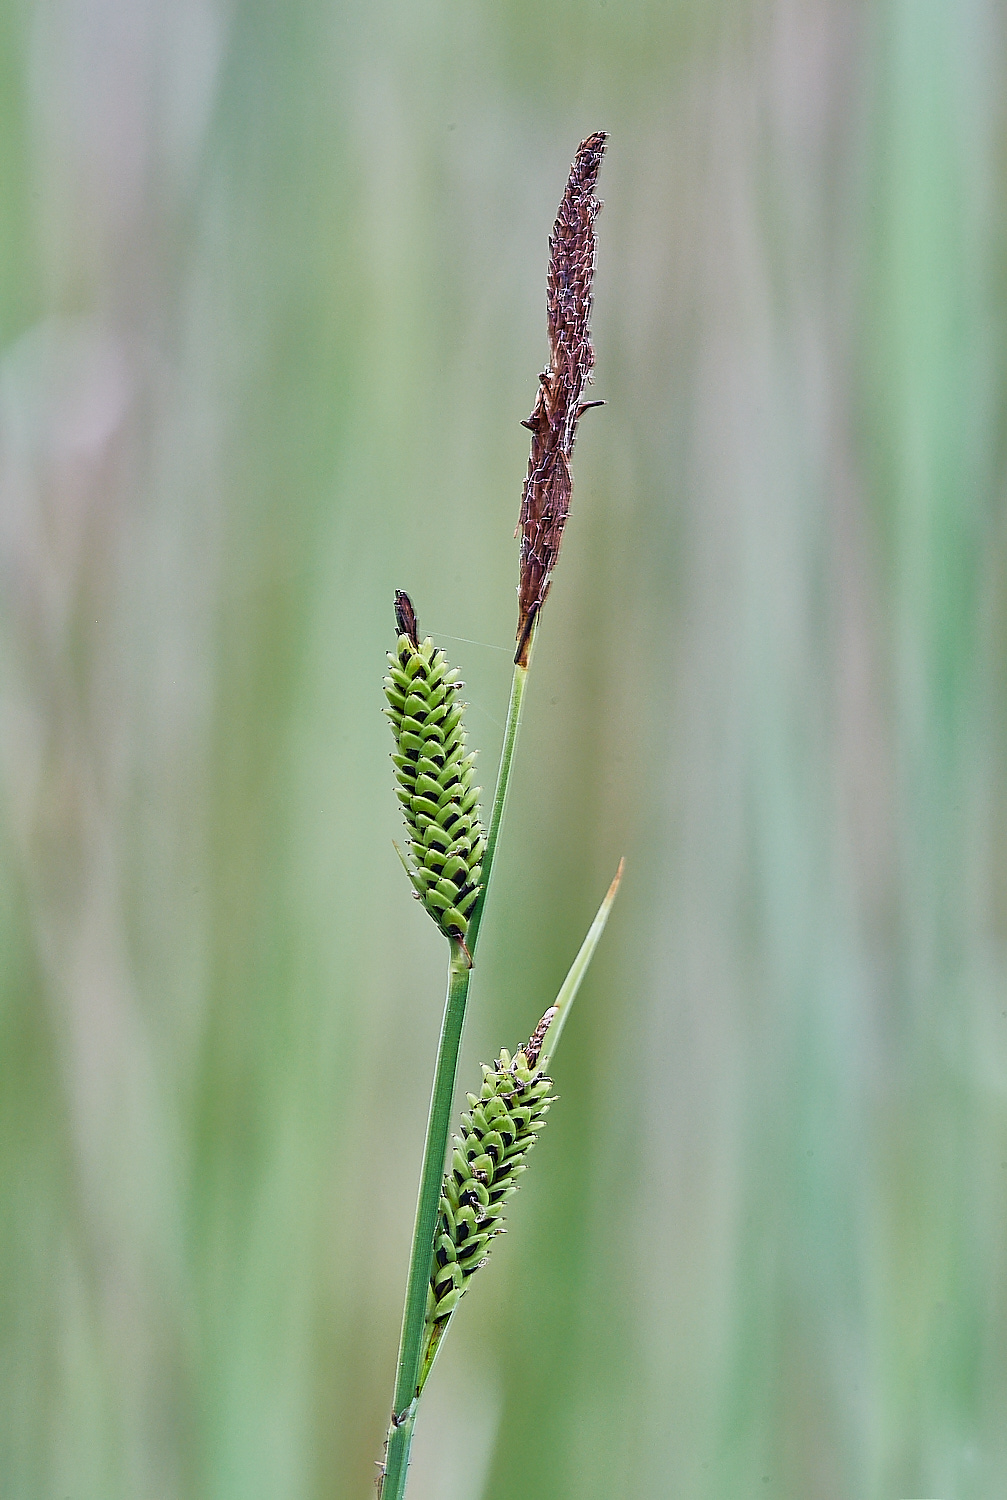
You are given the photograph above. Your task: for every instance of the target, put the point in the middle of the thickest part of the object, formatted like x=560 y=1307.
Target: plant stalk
x=513 y=724
x=400 y=1432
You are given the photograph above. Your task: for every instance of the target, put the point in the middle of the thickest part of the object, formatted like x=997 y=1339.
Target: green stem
x=400 y=1439
x=517 y=687
x=400 y=1433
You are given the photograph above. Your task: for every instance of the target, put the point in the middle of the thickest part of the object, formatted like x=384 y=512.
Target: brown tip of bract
x=616 y=879
x=545 y=501
x=405 y=617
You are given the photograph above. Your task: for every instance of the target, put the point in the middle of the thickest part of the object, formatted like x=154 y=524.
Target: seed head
x=434 y=777
x=545 y=501
x=487 y=1158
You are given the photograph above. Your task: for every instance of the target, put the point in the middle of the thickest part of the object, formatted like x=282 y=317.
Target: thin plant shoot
x=449 y=857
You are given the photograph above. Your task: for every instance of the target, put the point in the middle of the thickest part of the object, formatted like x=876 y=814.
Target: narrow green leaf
x=572 y=982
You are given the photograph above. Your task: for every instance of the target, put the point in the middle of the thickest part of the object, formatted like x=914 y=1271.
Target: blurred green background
x=272 y=308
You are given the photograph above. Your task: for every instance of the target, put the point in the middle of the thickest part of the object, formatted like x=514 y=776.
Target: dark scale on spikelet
x=500 y=1128
x=434 y=776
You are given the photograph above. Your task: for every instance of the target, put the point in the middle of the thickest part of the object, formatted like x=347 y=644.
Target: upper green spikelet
x=434 y=777
x=498 y=1131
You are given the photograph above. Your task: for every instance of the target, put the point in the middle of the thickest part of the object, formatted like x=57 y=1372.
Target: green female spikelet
x=434 y=776
x=486 y=1160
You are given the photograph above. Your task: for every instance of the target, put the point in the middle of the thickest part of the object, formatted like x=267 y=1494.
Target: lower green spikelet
x=499 y=1130
x=434 y=776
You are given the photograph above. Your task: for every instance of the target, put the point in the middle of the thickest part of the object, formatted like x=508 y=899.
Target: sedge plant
x=448 y=854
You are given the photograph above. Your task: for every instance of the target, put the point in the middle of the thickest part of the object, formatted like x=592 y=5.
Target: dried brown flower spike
x=545 y=502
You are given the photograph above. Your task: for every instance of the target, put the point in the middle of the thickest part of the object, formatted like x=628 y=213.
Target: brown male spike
x=545 y=501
